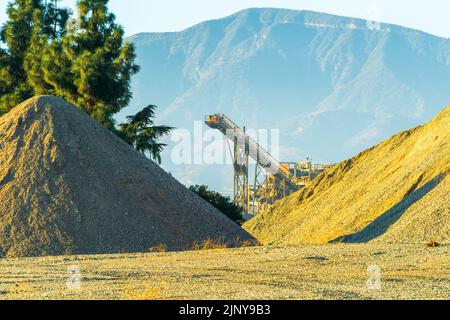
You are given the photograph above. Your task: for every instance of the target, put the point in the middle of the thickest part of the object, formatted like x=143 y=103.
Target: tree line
x=47 y=50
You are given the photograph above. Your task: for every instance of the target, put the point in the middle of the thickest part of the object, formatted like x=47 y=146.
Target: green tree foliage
x=141 y=132
x=83 y=60
x=49 y=25
x=223 y=204
x=54 y=19
x=18 y=34
x=4 y=86
x=90 y=66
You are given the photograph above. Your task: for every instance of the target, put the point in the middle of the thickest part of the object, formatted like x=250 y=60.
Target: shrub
x=223 y=204
x=158 y=248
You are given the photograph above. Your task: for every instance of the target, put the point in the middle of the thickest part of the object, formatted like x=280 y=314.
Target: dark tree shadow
x=387 y=219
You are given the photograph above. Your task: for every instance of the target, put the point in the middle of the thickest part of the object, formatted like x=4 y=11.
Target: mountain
x=398 y=191
x=332 y=85
x=70 y=186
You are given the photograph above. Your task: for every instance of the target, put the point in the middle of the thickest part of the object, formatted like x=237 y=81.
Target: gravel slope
x=397 y=191
x=70 y=186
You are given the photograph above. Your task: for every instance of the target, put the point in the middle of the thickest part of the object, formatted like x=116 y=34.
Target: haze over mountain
x=332 y=85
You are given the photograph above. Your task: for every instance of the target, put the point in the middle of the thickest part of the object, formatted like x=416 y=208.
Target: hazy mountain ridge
x=332 y=85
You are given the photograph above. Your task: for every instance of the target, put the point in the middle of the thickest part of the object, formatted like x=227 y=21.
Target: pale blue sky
x=173 y=15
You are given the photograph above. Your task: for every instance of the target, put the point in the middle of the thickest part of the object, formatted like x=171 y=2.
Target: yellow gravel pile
x=397 y=191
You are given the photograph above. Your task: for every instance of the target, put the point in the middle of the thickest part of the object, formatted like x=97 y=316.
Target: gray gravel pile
x=70 y=186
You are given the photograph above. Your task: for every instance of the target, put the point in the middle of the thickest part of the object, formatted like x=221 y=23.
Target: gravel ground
x=291 y=272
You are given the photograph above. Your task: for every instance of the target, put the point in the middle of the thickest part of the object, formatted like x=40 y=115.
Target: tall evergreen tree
x=49 y=27
x=27 y=19
x=141 y=132
x=88 y=64
x=54 y=19
x=91 y=66
x=16 y=35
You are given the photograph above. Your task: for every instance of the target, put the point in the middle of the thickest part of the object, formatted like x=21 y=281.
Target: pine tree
x=31 y=24
x=141 y=132
x=54 y=19
x=91 y=66
x=49 y=27
x=4 y=86
x=16 y=35
x=88 y=64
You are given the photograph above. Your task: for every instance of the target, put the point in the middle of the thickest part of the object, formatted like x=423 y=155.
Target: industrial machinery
x=272 y=180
